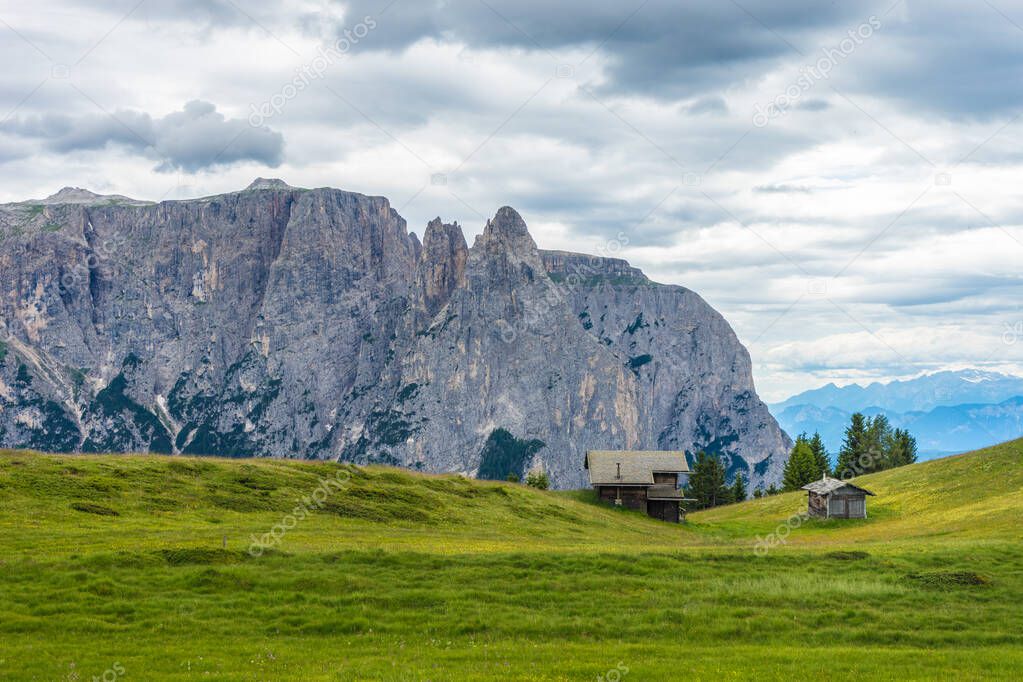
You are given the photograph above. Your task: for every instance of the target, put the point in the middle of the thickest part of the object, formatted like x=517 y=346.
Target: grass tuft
x=948 y=579
x=93 y=508
x=848 y=555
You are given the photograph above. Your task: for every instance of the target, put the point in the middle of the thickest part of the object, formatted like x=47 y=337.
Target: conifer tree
x=878 y=445
x=854 y=446
x=903 y=448
x=801 y=468
x=739 y=488
x=820 y=455
x=707 y=482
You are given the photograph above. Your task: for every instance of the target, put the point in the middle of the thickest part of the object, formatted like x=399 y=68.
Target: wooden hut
x=647 y=480
x=832 y=498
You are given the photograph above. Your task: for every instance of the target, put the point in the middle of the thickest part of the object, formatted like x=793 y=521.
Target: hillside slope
x=113 y=503
x=973 y=496
x=143 y=567
x=99 y=502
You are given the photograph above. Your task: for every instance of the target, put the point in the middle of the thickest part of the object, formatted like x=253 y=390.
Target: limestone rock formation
x=286 y=322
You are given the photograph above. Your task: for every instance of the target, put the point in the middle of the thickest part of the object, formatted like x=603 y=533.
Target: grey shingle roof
x=663 y=491
x=829 y=485
x=637 y=466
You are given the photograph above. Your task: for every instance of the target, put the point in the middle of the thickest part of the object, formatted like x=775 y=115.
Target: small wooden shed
x=647 y=480
x=833 y=498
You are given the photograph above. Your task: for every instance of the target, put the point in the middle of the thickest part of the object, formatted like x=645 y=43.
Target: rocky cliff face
x=309 y=323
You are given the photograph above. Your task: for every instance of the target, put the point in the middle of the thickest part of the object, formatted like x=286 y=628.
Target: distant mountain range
x=948 y=412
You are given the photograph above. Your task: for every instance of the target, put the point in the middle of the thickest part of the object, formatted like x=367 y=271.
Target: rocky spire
x=507 y=236
x=442 y=266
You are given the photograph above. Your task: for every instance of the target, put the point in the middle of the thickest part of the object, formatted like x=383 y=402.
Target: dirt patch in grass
x=222 y=581
x=848 y=556
x=200 y=555
x=93 y=508
x=160 y=504
x=948 y=579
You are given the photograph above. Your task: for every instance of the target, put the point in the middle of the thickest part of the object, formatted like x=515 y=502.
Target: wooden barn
x=647 y=480
x=832 y=498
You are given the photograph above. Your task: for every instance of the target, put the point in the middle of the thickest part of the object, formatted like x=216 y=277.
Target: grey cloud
x=708 y=105
x=194 y=138
x=663 y=49
x=782 y=189
x=957 y=60
x=813 y=105
x=199 y=137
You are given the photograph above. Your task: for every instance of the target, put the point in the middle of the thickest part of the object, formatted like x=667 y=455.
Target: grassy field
x=142 y=568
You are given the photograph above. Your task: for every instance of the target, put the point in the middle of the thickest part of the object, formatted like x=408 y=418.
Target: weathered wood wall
x=633 y=498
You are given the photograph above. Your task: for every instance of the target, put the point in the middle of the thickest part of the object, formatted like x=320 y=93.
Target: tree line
x=870 y=444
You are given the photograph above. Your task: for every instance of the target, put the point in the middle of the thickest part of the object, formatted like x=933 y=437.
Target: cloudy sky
x=839 y=179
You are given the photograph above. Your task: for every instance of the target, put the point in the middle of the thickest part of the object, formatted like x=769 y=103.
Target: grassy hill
x=976 y=496
x=145 y=567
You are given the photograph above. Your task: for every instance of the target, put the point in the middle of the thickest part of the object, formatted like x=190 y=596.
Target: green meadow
x=144 y=568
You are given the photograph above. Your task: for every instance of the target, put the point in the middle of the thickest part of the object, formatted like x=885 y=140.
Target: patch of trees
x=504 y=455
x=808 y=461
x=870 y=444
x=708 y=483
x=538 y=479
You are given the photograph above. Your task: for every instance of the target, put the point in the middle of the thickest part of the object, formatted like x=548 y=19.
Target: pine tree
x=853 y=447
x=739 y=488
x=707 y=482
x=772 y=490
x=878 y=445
x=538 y=479
x=758 y=493
x=903 y=448
x=820 y=455
x=801 y=468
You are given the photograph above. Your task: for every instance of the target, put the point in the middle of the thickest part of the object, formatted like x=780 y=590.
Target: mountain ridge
x=948 y=387
x=281 y=321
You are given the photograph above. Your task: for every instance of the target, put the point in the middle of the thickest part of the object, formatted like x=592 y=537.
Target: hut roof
x=829 y=485
x=663 y=491
x=637 y=467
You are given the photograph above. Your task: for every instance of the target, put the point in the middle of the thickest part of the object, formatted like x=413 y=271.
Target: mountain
x=913 y=395
x=285 y=322
x=939 y=431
